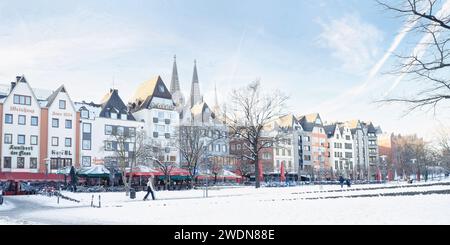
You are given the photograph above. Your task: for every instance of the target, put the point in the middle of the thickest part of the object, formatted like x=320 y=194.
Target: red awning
x=30 y=176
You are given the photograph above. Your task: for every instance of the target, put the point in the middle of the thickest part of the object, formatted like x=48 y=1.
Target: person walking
x=150 y=188
x=341 y=181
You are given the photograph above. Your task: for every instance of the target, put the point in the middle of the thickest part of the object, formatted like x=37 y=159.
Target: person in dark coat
x=341 y=181
x=150 y=188
x=347 y=181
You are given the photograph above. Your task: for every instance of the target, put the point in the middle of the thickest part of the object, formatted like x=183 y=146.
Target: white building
x=63 y=130
x=152 y=104
x=99 y=124
x=340 y=143
x=38 y=130
x=288 y=150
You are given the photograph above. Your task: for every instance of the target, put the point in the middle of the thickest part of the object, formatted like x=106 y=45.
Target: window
x=68 y=142
x=68 y=123
x=289 y=152
x=108 y=146
x=33 y=162
x=22 y=119
x=347 y=137
x=120 y=130
x=238 y=146
x=55 y=141
x=7 y=162
x=20 y=162
x=278 y=163
x=307 y=157
x=283 y=152
x=167 y=121
x=167 y=149
x=85 y=114
x=21 y=139
x=348 y=146
x=277 y=151
x=224 y=148
x=155 y=134
x=86 y=144
x=123 y=116
x=161 y=115
x=108 y=129
x=8 y=118
x=55 y=122
x=54 y=163
x=33 y=140
x=233 y=147
x=348 y=155
x=22 y=100
x=217 y=147
x=8 y=139
x=307 y=148
x=62 y=104
x=86 y=128
x=306 y=138
x=86 y=161
x=290 y=164
x=167 y=135
x=34 y=121
x=132 y=132
x=155 y=120
x=113 y=115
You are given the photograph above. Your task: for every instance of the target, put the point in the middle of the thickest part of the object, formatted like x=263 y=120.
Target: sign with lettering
x=66 y=114
x=20 y=150
x=61 y=153
x=162 y=106
x=21 y=109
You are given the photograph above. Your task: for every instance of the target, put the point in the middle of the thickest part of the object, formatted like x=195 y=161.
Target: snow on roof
x=41 y=94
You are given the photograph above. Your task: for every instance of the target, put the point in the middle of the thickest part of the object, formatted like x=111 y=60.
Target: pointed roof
x=175 y=83
x=52 y=97
x=330 y=130
x=195 y=76
x=308 y=121
x=195 y=87
x=112 y=102
x=286 y=121
x=147 y=90
x=352 y=124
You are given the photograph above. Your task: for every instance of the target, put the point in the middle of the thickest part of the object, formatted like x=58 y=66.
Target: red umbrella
x=261 y=176
x=282 y=176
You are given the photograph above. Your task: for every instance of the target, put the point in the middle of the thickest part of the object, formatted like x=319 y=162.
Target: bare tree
x=155 y=152
x=429 y=63
x=248 y=114
x=193 y=142
x=128 y=146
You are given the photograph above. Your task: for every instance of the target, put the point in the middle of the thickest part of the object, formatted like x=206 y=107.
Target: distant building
x=341 y=149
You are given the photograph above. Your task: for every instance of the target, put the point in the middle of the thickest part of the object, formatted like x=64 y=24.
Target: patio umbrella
x=261 y=176
x=282 y=176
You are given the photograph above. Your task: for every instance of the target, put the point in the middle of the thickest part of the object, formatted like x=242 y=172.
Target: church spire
x=195 y=87
x=175 y=84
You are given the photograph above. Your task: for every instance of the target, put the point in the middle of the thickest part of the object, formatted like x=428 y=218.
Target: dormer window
x=62 y=104
x=161 y=88
x=113 y=115
x=85 y=114
x=123 y=116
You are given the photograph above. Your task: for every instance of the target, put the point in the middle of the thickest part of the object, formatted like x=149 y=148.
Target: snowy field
x=394 y=203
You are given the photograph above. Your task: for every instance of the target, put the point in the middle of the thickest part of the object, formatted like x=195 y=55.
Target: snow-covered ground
x=244 y=205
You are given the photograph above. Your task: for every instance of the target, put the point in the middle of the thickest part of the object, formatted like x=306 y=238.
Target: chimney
x=18 y=78
x=13 y=84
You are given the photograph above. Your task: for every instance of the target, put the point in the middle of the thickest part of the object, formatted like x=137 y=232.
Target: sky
x=328 y=56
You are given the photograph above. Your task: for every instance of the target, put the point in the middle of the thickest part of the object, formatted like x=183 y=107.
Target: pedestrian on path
x=150 y=188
